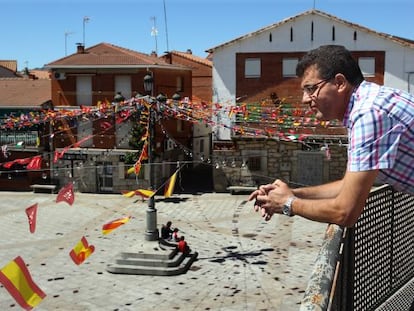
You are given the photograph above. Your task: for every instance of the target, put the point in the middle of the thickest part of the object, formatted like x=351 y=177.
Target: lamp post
x=151 y=233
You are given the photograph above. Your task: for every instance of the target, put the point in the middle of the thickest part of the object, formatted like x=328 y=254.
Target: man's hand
x=270 y=198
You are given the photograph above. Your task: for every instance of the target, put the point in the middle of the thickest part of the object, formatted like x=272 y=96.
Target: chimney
x=153 y=53
x=189 y=51
x=80 y=48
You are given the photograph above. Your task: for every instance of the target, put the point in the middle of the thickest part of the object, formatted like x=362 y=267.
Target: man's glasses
x=310 y=89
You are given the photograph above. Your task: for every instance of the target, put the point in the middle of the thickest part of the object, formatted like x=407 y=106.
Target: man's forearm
x=326 y=191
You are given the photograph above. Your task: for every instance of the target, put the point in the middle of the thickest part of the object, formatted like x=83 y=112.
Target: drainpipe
x=409 y=81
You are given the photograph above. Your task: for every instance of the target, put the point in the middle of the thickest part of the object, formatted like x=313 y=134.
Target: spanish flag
x=128 y=194
x=131 y=170
x=110 y=226
x=141 y=192
x=16 y=278
x=169 y=186
x=81 y=251
x=144 y=193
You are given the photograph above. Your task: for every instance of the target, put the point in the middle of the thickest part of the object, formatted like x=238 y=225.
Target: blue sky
x=36 y=32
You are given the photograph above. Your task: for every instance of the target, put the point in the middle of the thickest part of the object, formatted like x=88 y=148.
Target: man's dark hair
x=331 y=60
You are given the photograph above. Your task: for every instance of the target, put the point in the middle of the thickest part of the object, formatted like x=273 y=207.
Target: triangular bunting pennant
x=31 y=213
x=35 y=163
x=66 y=194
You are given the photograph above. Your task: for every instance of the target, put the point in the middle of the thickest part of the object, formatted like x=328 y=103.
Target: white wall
x=399 y=60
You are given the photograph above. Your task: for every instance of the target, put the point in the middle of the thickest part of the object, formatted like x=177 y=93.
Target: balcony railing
x=18 y=138
x=370 y=266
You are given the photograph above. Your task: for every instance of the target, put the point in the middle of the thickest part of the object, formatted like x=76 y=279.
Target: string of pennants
x=15 y=275
x=279 y=117
x=282 y=122
x=276 y=118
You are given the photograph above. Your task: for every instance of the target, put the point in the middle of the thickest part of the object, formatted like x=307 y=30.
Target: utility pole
x=166 y=26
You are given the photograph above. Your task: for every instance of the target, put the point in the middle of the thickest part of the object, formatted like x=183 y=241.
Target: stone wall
x=251 y=162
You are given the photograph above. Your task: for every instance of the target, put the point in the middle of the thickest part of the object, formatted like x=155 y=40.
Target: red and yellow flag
x=81 y=251
x=141 y=192
x=144 y=193
x=110 y=226
x=127 y=193
x=17 y=280
x=169 y=186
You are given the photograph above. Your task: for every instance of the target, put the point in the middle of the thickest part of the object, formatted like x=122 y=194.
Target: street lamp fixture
x=151 y=233
x=148 y=84
x=161 y=98
x=176 y=96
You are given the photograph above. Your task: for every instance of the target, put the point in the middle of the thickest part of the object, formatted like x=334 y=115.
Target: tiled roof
x=399 y=40
x=10 y=64
x=106 y=54
x=18 y=92
x=193 y=58
x=40 y=74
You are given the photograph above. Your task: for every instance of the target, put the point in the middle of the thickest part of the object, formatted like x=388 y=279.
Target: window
x=169 y=144
x=201 y=145
x=180 y=125
x=289 y=67
x=252 y=68
x=254 y=163
x=84 y=91
x=180 y=84
x=256 y=160
x=123 y=85
x=367 y=65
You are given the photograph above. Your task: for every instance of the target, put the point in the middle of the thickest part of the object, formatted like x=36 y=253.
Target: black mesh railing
x=375 y=270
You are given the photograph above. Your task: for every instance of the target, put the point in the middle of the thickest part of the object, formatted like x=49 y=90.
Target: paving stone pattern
x=244 y=263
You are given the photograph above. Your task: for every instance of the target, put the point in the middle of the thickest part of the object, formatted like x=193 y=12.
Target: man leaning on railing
x=380 y=122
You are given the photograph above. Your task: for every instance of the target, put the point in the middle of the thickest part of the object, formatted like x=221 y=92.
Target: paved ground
x=244 y=263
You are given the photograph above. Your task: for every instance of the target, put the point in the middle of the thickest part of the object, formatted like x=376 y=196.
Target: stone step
x=132 y=268
x=150 y=260
x=164 y=254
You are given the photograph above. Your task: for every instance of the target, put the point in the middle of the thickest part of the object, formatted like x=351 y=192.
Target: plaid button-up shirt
x=381 y=134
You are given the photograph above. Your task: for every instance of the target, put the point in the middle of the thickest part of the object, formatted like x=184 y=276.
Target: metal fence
x=27 y=138
x=372 y=265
